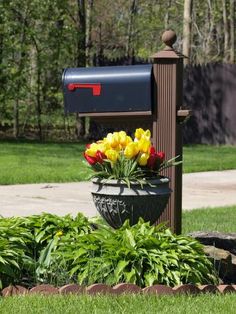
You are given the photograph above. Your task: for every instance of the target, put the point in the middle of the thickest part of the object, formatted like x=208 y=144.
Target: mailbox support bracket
x=116 y=114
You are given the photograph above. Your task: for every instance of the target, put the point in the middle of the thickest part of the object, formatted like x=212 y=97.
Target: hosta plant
x=15 y=255
x=26 y=244
x=118 y=156
x=141 y=254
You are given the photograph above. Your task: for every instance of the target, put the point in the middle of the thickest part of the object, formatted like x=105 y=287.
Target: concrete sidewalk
x=202 y=189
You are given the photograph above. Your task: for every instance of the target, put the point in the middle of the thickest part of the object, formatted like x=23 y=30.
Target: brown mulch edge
x=122 y=288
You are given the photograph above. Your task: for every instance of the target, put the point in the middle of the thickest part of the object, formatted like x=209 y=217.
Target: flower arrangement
x=120 y=157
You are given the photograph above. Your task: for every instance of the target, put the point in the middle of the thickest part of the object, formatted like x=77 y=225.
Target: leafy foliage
x=39 y=38
x=141 y=254
x=15 y=254
x=124 y=169
x=51 y=249
x=26 y=244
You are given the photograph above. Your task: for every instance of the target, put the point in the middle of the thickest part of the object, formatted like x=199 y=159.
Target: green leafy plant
x=141 y=254
x=15 y=255
x=26 y=244
x=47 y=230
x=51 y=249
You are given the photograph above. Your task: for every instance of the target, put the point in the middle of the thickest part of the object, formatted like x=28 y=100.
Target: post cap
x=169 y=38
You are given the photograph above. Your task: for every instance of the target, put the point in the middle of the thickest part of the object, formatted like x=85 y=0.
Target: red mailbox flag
x=96 y=88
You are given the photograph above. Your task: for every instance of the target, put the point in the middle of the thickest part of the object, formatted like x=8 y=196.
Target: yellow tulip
x=128 y=140
x=122 y=138
x=131 y=150
x=112 y=155
x=143 y=159
x=144 y=144
x=113 y=139
x=138 y=133
x=103 y=146
x=91 y=151
x=147 y=133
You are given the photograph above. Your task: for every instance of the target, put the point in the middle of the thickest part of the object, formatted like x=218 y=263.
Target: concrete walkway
x=200 y=190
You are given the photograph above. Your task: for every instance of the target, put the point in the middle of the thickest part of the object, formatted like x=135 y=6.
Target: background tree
x=187 y=25
x=39 y=38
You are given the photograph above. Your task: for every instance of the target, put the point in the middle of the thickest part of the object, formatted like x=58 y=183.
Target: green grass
x=32 y=162
x=41 y=162
x=220 y=219
x=209 y=158
x=204 y=304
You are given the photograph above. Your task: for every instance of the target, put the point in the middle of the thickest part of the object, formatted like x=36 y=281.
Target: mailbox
x=112 y=89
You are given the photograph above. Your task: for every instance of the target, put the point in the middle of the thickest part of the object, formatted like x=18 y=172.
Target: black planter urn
x=116 y=202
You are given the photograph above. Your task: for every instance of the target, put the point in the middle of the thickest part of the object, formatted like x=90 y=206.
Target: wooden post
x=167 y=131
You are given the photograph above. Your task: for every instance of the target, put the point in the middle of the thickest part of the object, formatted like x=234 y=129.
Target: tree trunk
x=16 y=118
x=88 y=32
x=38 y=99
x=20 y=60
x=232 y=26
x=167 y=15
x=187 y=25
x=209 y=32
x=129 y=43
x=226 y=31
x=81 y=58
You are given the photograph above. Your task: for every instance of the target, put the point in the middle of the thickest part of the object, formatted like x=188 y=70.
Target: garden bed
x=48 y=249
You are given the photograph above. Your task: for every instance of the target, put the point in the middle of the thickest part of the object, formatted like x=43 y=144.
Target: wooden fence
x=210 y=91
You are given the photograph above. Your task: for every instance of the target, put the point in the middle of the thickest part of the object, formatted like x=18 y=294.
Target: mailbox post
x=127 y=97
x=167 y=129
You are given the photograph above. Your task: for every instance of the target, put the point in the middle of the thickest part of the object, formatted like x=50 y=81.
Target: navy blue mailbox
x=111 y=89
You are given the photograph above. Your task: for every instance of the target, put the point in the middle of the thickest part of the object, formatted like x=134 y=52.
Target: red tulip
x=152 y=150
x=151 y=161
x=91 y=160
x=155 y=159
x=160 y=156
x=100 y=157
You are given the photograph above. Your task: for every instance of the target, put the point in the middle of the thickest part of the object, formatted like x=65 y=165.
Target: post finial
x=169 y=38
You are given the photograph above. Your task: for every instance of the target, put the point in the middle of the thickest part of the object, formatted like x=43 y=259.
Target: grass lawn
x=209 y=158
x=32 y=162
x=204 y=304
x=220 y=219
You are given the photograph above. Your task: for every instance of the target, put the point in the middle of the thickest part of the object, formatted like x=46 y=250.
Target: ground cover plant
x=62 y=162
x=141 y=254
x=208 y=219
x=24 y=249
x=58 y=250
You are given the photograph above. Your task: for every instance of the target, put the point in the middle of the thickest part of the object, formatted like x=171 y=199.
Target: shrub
x=26 y=244
x=141 y=254
x=15 y=255
x=52 y=249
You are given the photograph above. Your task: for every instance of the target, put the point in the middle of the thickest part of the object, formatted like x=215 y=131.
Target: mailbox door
x=108 y=89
